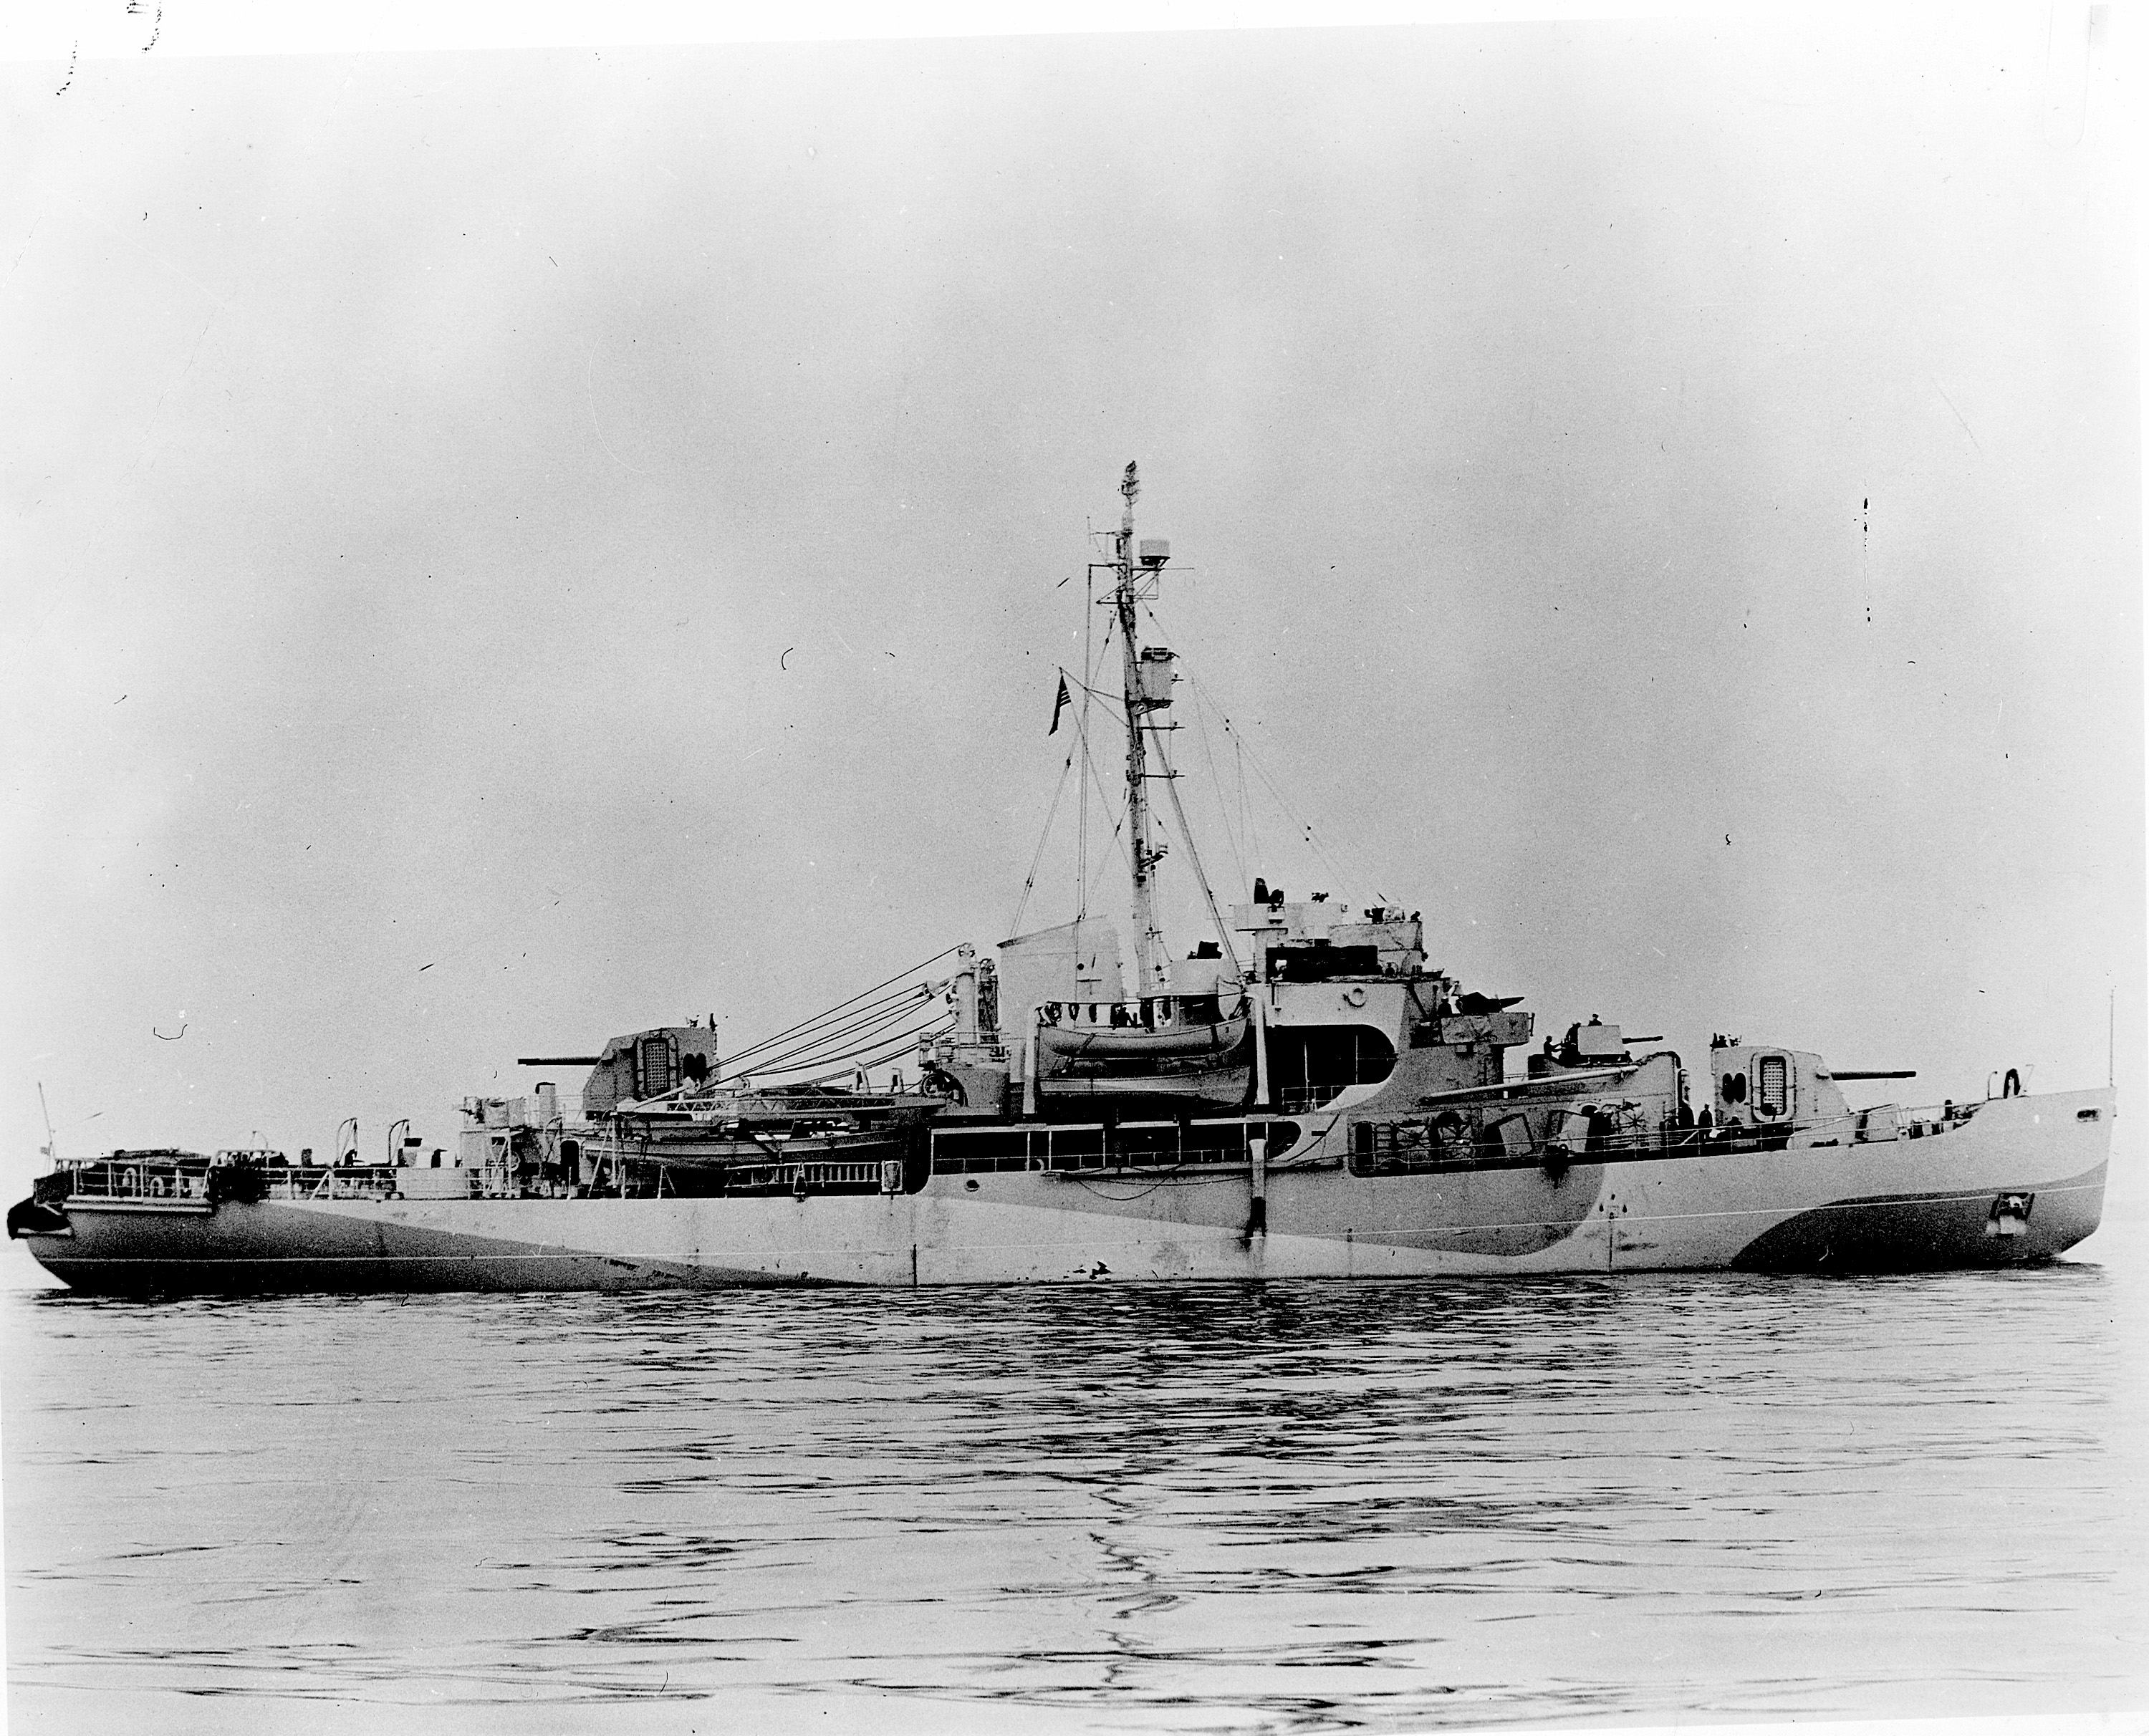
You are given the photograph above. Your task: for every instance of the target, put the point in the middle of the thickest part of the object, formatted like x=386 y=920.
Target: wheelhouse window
x=1311 y=1065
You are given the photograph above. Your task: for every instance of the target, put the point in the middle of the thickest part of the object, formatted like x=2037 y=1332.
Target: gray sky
x=503 y=549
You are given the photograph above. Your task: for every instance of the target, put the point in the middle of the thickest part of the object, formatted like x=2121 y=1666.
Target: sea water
x=1303 y=1507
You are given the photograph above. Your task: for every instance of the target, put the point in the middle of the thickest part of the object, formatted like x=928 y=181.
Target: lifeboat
x=1147 y=1049
x=1210 y=1040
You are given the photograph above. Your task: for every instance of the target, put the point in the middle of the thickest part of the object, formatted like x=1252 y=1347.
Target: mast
x=1148 y=676
x=1151 y=972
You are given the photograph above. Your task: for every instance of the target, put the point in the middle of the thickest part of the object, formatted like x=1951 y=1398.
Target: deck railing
x=1084 y=1148
x=152 y=1180
x=138 y=1181
x=1421 y=1143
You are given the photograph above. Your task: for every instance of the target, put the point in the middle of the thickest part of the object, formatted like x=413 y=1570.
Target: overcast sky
x=503 y=549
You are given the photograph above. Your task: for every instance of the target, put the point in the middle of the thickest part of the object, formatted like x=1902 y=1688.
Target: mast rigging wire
x=1290 y=809
x=871 y=1048
x=1119 y=825
x=1216 y=783
x=1276 y=793
x=1081 y=750
x=834 y=1022
x=887 y=1052
x=1044 y=837
x=812 y=1053
x=1194 y=859
x=819 y=1018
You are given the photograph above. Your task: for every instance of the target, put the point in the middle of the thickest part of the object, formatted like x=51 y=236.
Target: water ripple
x=1296 y=1508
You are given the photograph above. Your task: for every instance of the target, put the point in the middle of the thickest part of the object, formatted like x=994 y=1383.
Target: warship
x=1303 y=1095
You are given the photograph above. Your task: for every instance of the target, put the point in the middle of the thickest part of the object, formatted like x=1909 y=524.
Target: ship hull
x=2021 y=1182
